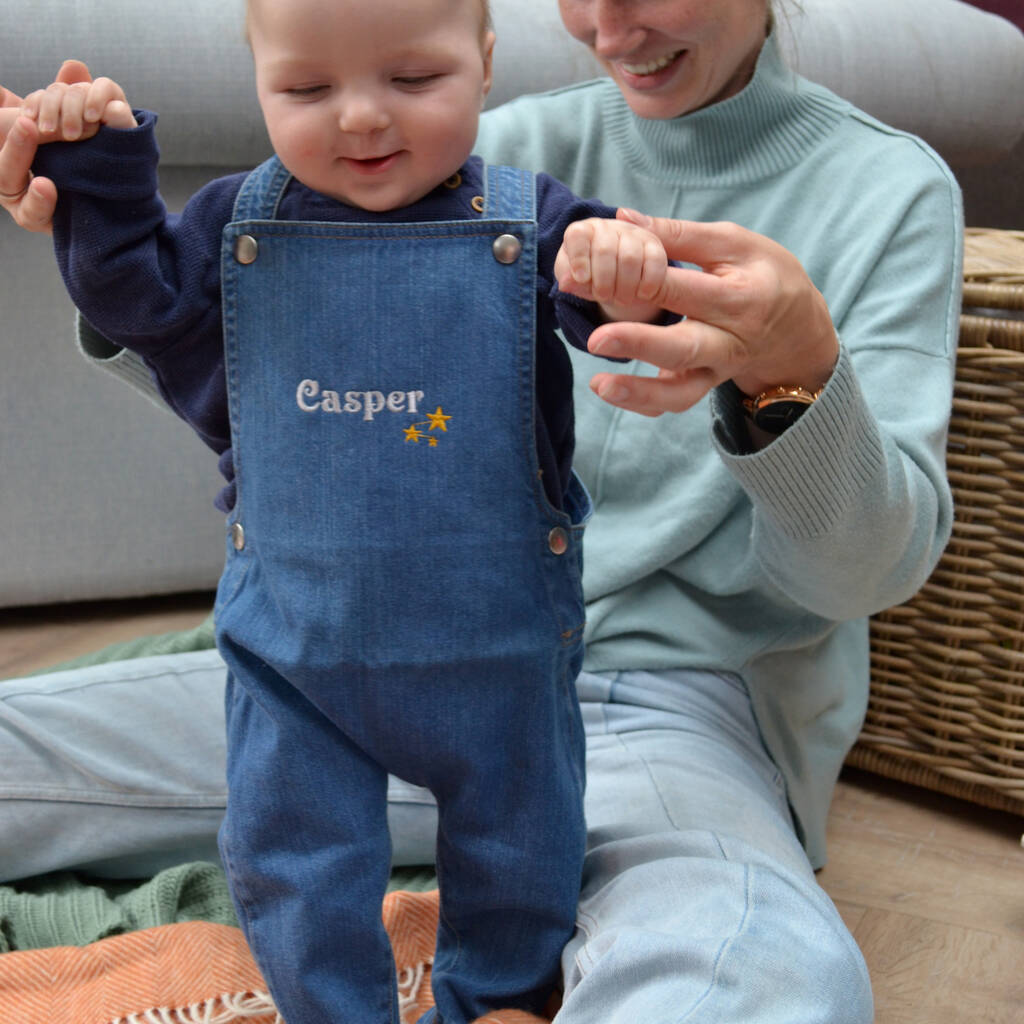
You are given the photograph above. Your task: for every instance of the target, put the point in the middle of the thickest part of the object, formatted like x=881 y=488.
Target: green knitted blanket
x=68 y=909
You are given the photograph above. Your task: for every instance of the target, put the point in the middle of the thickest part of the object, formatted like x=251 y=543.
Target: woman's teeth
x=651 y=66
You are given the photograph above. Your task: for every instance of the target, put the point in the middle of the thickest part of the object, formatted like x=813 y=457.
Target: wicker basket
x=947 y=690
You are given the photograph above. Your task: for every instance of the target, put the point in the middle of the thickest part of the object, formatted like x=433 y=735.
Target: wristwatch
x=777 y=409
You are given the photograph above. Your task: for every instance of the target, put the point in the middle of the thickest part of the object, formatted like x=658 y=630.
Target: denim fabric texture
x=396 y=605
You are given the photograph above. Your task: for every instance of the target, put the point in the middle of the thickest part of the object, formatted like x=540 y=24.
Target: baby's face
x=373 y=102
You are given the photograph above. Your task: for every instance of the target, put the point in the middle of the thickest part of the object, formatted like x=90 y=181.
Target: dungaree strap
x=261 y=191
x=509 y=193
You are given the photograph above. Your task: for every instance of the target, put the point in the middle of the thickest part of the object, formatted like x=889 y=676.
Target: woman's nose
x=618 y=30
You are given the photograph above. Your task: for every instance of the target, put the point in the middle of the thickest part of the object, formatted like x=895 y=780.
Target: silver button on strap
x=507 y=248
x=246 y=249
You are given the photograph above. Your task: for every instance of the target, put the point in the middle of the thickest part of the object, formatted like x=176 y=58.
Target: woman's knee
x=689 y=927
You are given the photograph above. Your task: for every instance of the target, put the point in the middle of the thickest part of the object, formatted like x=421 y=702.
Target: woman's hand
x=30 y=201
x=752 y=315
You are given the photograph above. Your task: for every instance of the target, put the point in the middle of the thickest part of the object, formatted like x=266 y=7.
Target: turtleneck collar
x=767 y=126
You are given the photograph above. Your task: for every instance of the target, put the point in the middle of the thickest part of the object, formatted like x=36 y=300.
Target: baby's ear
x=488 y=55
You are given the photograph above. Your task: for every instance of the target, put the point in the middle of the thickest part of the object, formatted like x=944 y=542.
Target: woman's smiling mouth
x=649 y=74
x=650 y=67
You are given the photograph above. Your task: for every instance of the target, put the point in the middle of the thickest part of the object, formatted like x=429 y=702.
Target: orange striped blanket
x=196 y=973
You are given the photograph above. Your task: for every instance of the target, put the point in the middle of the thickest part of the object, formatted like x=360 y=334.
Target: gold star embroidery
x=439 y=420
x=413 y=434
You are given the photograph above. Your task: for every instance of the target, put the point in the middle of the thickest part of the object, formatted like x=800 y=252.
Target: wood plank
x=36 y=638
x=869 y=801
x=933 y=857
x=851 y=913
x=925 y=972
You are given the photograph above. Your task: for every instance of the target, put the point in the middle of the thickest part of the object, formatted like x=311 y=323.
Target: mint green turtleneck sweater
x=767 y=564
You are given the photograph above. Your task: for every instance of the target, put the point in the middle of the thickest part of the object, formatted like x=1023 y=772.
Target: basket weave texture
x=946 y=709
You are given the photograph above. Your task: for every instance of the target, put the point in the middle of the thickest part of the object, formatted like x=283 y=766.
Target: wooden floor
x=931 y=887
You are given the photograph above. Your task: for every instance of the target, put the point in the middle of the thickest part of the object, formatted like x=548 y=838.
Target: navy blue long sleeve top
x=149 y=280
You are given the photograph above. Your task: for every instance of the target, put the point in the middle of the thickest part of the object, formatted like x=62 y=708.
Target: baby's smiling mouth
x=373 y=164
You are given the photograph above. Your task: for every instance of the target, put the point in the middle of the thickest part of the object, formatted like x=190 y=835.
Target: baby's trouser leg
x=509 y=872
x=306 y=849
x=510 y=845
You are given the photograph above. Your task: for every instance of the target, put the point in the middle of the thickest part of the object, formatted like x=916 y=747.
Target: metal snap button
x=238 y=536
x=246 y=249
x=477 y=202
x=558 y=541
x=507 y=248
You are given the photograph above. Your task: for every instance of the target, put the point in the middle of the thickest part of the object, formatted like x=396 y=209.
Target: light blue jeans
x=698 y=902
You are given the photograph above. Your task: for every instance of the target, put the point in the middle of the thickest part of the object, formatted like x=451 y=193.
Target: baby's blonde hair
x=485 y=11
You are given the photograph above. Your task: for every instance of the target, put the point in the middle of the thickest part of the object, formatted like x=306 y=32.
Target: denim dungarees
x=399 y=596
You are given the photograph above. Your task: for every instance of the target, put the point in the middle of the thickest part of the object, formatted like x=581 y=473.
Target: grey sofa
x=103 y=494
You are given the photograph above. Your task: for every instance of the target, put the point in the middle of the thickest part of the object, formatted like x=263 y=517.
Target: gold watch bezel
x=766 y=412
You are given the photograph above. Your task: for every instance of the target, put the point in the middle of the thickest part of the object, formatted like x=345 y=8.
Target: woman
x=738 y=546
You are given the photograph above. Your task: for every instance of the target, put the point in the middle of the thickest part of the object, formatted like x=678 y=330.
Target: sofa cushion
x=942 y=69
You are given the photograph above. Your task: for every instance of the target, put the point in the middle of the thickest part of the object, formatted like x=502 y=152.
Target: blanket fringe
x=258 y=1006
x=410 y=981
x=225 y=1009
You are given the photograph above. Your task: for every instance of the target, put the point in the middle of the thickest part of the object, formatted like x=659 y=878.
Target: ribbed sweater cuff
x=807 y=479
x=120 y=362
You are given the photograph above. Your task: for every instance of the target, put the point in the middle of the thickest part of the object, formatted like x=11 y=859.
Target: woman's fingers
x=687 y=345
x=72 y=71
x=8 y=115
x=756 y=293
x=36 y=209
x=30 y=201
x=16 y=158
x=8 y=98
x=652 y=396
x=698 y=242
x=691 y=357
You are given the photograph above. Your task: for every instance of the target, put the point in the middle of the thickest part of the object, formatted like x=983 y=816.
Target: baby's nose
x=361 y=114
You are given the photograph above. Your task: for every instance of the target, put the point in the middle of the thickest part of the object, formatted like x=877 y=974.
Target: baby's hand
x=68 y=113
x=619 y=265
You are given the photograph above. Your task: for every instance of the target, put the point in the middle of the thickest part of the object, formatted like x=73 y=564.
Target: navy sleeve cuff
x=116 y=164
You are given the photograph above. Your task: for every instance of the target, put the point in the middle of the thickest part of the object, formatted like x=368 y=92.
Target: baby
x=363 y=329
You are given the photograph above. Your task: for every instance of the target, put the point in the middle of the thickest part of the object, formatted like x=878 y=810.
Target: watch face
x=775 y=417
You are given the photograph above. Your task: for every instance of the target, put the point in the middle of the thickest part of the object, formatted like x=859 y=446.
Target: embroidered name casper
x=311 y=399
